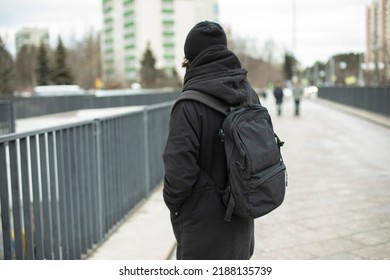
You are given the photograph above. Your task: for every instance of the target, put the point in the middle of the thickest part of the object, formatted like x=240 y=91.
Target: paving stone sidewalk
x=145 y=235
x=338 y=199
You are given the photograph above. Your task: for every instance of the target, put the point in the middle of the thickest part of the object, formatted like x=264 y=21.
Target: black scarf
x=217 y=71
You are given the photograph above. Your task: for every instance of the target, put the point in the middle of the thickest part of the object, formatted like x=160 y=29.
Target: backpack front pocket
x=267 y=190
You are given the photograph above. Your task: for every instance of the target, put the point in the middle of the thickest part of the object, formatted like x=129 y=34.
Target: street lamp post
x=362 y=74
x=371 y=68
x=361 y=80
x=379 y=72
x=343 y=66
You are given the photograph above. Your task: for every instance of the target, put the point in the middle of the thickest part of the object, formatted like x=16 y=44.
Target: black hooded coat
x=195 y=164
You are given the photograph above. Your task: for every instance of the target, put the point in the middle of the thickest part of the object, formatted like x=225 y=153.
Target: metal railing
x=26 y=107
x=374 y=99
x=63 y=190
x=7 y=118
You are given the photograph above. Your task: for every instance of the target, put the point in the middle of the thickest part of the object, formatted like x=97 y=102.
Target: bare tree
x=85 y=60
x=261 y=73
x=268 y=51
x=7 y=73
x=260 y=63
x=25 y=68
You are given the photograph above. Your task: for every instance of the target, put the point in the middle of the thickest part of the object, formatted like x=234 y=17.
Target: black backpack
x=257 y=177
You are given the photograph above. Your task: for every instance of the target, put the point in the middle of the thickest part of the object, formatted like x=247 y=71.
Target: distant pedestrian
x=278 y=93
x=194 y=156
x=263 y=93
x=297 y=94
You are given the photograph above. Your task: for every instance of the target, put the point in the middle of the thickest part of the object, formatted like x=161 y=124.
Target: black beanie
x=202 y=36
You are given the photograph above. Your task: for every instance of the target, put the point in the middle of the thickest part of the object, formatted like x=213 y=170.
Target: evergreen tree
x=148 y=70
x=289 y=64
x=61 y=71
x=25 y=66
x=42 y=66
x=6 y=71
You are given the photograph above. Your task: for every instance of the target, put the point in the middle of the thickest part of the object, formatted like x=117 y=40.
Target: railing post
x=99 y=173
x=147 y=158
x=13 y=117
x=24 y=144
x=4 y=201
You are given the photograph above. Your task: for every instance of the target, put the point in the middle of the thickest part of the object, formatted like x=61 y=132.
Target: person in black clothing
x=194 y=156
x=278 y=93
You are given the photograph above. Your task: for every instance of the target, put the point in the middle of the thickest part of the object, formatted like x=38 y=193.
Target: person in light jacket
x=194 y=156
x=297 y=94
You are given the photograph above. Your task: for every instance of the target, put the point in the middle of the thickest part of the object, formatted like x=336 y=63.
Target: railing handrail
x=17 y=135
x=26 y=107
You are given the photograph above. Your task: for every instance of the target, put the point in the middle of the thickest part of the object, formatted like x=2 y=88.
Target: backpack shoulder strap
x=205 y=99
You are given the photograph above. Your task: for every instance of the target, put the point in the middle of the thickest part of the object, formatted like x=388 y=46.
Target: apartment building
x=378 y=34
x=131 y=25
x=31 y=36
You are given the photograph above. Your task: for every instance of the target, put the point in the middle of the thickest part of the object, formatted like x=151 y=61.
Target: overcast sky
x=322 y=27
